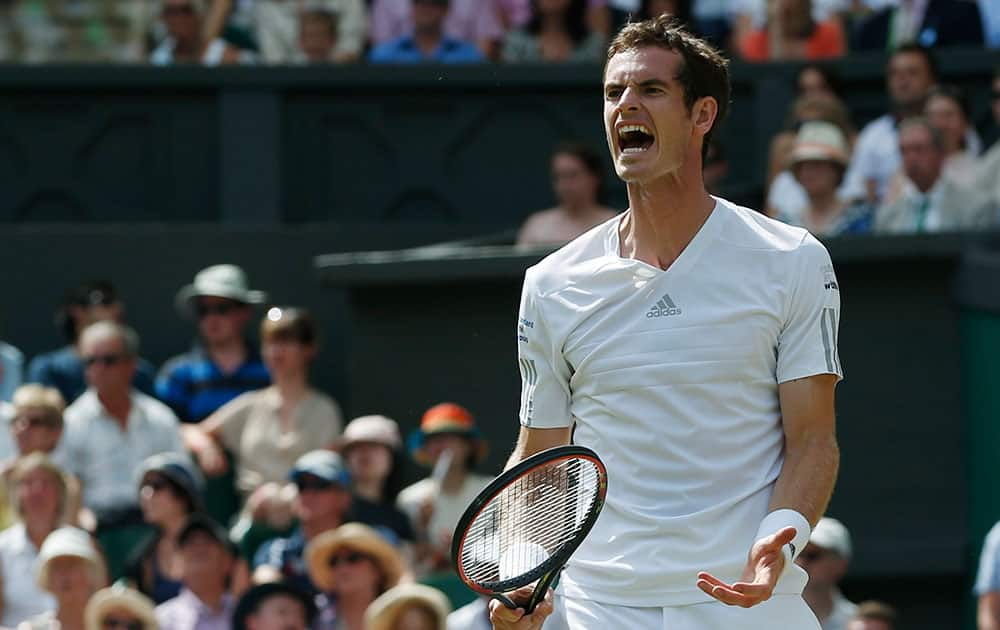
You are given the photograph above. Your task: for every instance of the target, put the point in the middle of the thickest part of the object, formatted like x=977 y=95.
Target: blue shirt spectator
x=405 y=50
x=195 y=387
x=287 y=555
x=63 y=369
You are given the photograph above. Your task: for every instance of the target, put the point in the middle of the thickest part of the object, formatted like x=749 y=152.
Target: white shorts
x=787 y=612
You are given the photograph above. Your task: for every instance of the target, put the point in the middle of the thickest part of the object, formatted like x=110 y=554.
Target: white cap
x=66 y=541
x=831 y=534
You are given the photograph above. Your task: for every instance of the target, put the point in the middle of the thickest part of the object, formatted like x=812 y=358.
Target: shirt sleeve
x=231 y=419
x=545 y=374
x=807 y=344
x=172 y=389
x=988 y=575
x=859 y=168
x=353 y=27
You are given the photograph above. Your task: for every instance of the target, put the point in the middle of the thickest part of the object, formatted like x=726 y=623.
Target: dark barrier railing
x=346 y=144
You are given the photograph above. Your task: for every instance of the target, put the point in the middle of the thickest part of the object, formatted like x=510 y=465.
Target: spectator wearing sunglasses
x=825 y=559
x=119 y=608
x=223 y=364
x=351 y=567
x=85 y=304
x=111 y=429
x=39 y=496
x=269 y=429
x=69 y=567
x=207 y=559
x=170 y=490
x=323 y=502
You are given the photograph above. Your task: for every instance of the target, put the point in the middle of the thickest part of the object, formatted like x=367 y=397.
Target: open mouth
x=634 y=138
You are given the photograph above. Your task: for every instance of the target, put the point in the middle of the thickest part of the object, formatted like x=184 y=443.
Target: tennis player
x=691 y=343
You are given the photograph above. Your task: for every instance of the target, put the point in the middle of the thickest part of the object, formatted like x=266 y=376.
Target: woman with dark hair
x=557 y=32
x=578 y=183
x=679 y=9
x=819 y=81
x=170 y=489
x=791 y=33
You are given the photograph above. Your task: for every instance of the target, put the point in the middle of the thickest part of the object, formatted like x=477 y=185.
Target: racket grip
x=540 y=590
x=506 y=601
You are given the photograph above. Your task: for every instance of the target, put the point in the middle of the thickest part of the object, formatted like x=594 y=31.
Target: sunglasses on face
x=125 y=624
x=156 y=485
x=306 y=483
x=27 y=422
x=349 y=557
x=223 y=308
x=107 y=360
x=812 y=555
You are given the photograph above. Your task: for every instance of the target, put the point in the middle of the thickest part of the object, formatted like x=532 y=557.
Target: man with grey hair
x=935 y=204
x=112 y=427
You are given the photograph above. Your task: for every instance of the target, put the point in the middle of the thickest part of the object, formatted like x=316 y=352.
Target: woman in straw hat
x=119 y=608
x=449 y=441
x=409 y=607
x=71 y=569
x=39 y=492
x=351 y=566
x=818 y=161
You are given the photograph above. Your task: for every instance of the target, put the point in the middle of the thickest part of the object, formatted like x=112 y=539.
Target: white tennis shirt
x=672 y=378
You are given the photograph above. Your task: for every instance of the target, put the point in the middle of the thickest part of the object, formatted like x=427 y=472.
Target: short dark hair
x=574 y=20
x=590 y=159
x=703 y=72
x=830 y=76
x=327 y=18
x=917 y=49
x=954 y=93
x=876 y=611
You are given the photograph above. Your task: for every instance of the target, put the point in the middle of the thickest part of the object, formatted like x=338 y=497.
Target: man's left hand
x=765 y=564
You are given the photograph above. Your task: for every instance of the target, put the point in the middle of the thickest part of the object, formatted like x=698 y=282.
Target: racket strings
x=530 y=520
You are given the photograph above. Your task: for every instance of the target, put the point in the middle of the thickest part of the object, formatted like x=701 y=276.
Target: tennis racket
x=524 y=526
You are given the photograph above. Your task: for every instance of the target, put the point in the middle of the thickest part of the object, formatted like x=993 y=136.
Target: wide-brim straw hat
x=383 y=613
x=222 y=281
x=119 y=598
x=356 y=537
x=820 y=141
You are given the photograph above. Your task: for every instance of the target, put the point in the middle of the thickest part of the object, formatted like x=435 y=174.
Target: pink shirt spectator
x=468 y=20
x=519 y=11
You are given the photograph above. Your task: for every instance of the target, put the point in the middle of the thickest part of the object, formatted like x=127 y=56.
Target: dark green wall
x=347 y=144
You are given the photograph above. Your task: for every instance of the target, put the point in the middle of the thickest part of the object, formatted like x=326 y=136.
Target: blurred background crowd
x=215 y=32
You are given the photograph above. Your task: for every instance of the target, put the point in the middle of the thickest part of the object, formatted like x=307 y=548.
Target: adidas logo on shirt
x=664 y=307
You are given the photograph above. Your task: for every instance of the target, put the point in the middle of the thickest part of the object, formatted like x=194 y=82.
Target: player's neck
x=664 y=215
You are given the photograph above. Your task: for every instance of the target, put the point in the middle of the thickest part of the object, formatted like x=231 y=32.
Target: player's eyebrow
x=646 y=83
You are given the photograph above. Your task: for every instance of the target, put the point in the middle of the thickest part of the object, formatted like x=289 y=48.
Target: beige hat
x=72 y=542
x=224 y=281
x=119 y=597
x=378 y=429
x=383 y=613
x=831 y=534
x=357 y=537
x=819 y=140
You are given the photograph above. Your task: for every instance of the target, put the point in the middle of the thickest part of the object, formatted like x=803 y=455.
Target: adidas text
x=656 y=311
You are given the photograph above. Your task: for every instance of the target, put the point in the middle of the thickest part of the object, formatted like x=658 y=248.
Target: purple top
x=468 y=20
x=187 y=612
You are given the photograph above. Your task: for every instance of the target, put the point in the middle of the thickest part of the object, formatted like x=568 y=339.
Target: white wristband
x=779 y=520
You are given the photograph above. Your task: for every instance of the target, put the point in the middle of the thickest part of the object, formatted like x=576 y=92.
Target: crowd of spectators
x=213 y=32
x=232 y=495
x=924 y=166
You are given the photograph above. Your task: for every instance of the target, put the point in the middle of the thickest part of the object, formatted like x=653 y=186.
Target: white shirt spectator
x=106 y=458
x=164 y=53
x=22 y=597
x=988 y=576
x=473 y=616
x=876 y=157
x=841 y=613
x=448 y=508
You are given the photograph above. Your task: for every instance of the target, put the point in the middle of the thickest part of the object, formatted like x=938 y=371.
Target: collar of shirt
x=95 y=408
x=446 y=45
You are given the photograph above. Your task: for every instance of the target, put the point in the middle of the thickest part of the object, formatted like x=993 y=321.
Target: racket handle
x=506 y=601
x=540 y=590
